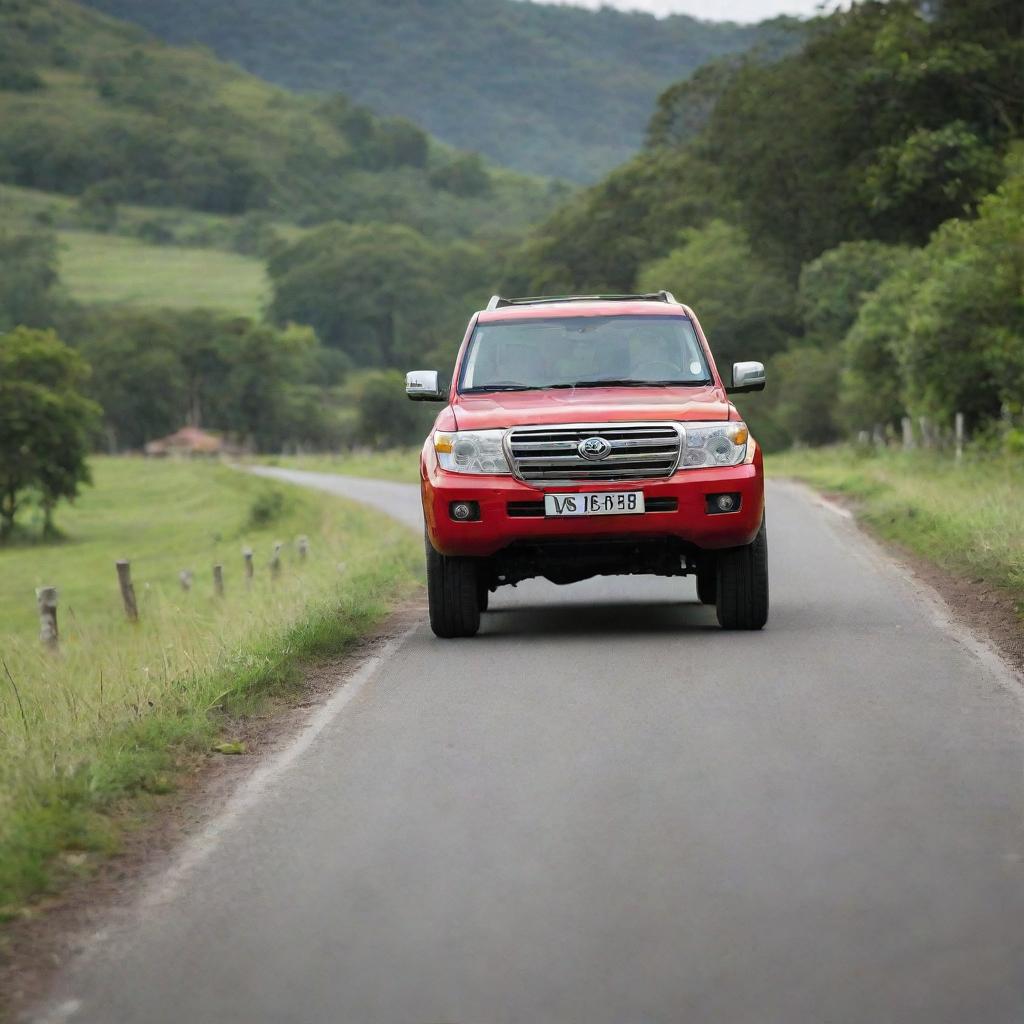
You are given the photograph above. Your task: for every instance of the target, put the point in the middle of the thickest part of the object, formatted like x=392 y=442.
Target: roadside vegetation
x=963 y=516
x=92 y=731
x=852 y=215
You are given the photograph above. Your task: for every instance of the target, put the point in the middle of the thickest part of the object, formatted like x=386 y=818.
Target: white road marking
x=61 y=1013
x=253 y=789
x=166 y=885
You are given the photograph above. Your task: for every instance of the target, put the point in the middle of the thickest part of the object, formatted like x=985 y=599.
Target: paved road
x=604 y=810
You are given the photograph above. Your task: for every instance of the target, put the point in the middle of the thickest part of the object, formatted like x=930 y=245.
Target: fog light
x=716 y=504
x=464 y=511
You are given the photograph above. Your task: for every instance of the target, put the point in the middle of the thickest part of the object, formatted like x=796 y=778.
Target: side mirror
x=746 y=377
x=425 y=386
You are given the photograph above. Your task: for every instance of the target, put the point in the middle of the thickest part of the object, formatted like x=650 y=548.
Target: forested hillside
x=853 y=213
x=91 y=106
x=146 y=190
x=551 y=89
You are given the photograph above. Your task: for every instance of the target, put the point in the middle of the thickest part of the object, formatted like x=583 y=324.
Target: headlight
x=471 y=451
x=714 y=444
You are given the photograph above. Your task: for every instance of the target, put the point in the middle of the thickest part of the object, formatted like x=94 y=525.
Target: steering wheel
x=657 y=366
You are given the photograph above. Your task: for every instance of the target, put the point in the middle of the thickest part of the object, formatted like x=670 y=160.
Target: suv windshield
x=584 y=351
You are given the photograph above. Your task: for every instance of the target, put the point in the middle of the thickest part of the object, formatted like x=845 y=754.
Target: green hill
x=549 y=89
x=94 y=107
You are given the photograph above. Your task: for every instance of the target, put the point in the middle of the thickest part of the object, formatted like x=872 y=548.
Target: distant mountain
x=549 y=89
x=94 y=107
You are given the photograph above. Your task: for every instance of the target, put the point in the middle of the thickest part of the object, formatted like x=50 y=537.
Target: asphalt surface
x=605 y=810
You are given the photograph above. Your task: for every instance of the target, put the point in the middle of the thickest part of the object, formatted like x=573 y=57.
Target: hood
x=588 y=405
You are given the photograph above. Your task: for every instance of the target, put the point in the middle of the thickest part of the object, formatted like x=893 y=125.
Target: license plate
x=594 y=503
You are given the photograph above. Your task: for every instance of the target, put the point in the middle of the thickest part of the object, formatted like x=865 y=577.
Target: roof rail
x=534 y=300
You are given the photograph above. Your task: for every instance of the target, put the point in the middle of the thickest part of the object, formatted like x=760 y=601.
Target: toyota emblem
x=594 y=449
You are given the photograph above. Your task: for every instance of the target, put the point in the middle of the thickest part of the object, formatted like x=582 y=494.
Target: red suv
x=584 y=436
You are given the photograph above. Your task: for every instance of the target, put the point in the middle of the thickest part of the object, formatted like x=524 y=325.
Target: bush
x=386 y=417
x=267 y=507
x=465 y=176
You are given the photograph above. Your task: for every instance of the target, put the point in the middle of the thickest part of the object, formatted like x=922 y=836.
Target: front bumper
x=683 y=495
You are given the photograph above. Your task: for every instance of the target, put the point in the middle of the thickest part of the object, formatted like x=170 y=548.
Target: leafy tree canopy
x=114 y=116
x=46 y=423
x=383 y=295
x=862 y=176
x=29 y=292
x=746 y=309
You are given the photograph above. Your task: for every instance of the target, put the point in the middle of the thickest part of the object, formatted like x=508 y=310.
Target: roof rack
x=535 y=300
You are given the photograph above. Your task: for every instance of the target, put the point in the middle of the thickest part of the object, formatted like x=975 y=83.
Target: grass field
x=400 y=464
x=90 y=731
x=968 y=518
x=115 y=270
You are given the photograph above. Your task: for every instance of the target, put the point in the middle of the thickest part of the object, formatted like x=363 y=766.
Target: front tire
x=742 y=580
x=452 y=594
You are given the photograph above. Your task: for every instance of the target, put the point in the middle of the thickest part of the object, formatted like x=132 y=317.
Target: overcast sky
x=713 y=10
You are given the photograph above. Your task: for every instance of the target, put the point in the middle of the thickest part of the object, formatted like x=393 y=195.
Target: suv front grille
x=638 y=451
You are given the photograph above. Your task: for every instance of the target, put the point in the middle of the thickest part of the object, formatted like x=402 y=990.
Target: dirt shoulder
x=985 y=609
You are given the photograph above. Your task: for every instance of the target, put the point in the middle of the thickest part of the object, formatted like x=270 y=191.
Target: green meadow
x=91 y=732
x=104 y=269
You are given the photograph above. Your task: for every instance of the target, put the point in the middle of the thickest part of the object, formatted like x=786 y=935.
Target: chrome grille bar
x=638 y=451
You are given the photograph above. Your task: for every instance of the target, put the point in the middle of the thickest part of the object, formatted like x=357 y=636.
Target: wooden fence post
x=218 y=580
x=247 y=555
x=959 y=436
x=46 y=599
x=124 y=579
x=185 y=577
x=275 y=559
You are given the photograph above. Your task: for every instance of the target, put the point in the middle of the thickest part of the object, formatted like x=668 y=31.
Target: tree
x=600 y=238
x=46 y=423
x=888 y=122
x=386 y=418
x=833 y=287
x=804 y=381
x=964 y=347
x=466 y=175
x=375 y=292
x=931 y=176
x=870 y=387
x=29 y=282
x=398 y=143
x=745 y=307
x=137 y=374
x=263 y=366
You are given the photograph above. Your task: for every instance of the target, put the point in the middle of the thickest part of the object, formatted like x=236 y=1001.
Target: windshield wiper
x=628 y=382
x=601 y=382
